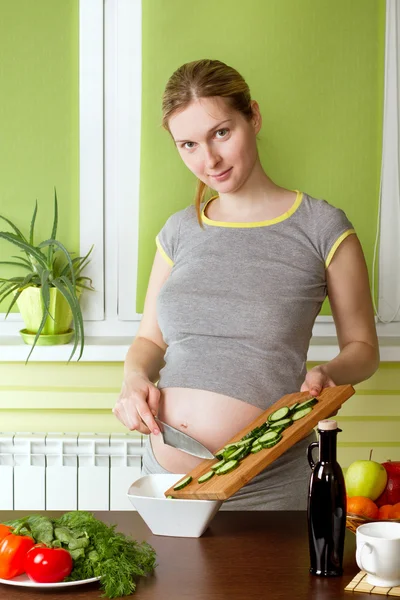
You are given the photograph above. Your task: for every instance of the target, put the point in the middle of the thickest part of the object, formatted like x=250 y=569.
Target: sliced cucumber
x=231 y=446
x=256 y=431
x=236 y=455
x=278 y=429
x=270 y=435
x=293 y=407
x=227 y=467
x=219 y=454
x=306 y=404
x=217 y=465
x=246 y=442
x=271 y=443
x=279 y=414
x=170 y=497
x=256 y=442
x=183 y=483
x=299 y=414
x=256 y=448
x=206 y=476
x=245 y=452
x=282 y=423
x=227 y=453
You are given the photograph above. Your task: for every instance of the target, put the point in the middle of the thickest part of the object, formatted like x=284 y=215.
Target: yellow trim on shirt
x=336 y=246
x=163 y=253
x=286 y=215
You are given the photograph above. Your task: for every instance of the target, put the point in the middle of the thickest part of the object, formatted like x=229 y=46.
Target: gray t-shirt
x=238 y=307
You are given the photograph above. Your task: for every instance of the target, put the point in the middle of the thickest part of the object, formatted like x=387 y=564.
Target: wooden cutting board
x=221 y=487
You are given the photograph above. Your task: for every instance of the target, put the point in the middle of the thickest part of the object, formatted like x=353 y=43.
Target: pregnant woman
x=236 y=285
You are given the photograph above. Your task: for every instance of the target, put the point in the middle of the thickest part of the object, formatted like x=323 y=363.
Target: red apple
x=391 y=493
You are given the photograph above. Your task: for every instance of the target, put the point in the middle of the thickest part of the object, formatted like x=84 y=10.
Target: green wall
x=316 y=69
x=39 y=118
x=79 y=397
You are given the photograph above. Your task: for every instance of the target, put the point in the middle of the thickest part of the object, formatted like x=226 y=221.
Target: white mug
x=378 y=552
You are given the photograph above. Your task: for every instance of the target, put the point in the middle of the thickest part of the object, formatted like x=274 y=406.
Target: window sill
x=114 y=349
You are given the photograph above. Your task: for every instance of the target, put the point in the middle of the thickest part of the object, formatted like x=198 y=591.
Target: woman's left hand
x=316 y=380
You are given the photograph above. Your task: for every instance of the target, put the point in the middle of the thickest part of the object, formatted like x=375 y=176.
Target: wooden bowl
x=354 y=521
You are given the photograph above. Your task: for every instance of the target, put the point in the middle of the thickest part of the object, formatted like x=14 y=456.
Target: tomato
x=48 y=565
x=4 y=530
x=13 y=549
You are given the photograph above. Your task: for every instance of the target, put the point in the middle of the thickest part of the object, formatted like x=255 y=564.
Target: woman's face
x=216 y=142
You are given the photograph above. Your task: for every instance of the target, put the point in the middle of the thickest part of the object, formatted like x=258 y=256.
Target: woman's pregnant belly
x=210 y=418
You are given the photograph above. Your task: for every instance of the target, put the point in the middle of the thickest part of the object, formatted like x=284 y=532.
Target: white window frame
x=113 y=152
x=388 y=309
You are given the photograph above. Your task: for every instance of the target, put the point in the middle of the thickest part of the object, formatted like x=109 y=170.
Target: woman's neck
x=259 y=198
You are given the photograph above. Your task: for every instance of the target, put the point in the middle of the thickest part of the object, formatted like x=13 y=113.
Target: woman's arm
x=139 y=398
x=350 y=299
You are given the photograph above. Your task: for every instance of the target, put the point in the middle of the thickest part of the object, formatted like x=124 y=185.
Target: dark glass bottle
x=326 y=511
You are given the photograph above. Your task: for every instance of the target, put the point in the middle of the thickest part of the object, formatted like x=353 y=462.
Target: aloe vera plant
x=46 y=264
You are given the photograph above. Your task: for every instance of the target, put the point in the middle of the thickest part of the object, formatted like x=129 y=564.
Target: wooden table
x=243 y=555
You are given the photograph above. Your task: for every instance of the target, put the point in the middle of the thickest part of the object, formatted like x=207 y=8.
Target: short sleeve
x=167 y=239
x=333 y=228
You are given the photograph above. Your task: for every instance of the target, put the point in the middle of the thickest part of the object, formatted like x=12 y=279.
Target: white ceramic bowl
x=166 y=516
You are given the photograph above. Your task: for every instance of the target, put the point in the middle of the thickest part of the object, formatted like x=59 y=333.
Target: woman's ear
x=256 y=118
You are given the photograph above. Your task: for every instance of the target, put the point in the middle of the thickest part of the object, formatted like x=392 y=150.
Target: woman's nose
x=212 y=158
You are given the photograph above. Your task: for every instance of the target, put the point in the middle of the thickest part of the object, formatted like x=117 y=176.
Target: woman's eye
x=185 y=145
x=223 y=131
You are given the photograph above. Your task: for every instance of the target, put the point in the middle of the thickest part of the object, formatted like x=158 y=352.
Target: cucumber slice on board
x=271 y=443
x=246 y=442
x=256 y=448
x=227 y=467
x=183 y=483
x=299 y=414
x=206 y=476
x=237 y=455
x=282 y=423
x=278 y=429
x=267 y=437
x=279 y=414
x=227 y=453
x=218 y=465
x=257 y=431
x=305 y=404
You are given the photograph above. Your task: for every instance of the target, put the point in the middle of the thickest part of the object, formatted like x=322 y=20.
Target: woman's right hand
x=137 y=404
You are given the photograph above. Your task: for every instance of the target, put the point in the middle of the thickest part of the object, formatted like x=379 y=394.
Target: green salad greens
x=96 y=548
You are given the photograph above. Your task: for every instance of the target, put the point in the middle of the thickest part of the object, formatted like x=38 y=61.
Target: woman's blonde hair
x=202 y=79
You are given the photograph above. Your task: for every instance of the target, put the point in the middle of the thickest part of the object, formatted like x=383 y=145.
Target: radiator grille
x=68 y=471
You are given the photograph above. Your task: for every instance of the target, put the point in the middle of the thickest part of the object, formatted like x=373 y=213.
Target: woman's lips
x=223 y=175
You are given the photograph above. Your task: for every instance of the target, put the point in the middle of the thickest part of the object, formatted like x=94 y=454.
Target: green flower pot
x=30 y=306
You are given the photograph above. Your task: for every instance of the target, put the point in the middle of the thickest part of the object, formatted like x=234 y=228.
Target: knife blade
x=177 y=439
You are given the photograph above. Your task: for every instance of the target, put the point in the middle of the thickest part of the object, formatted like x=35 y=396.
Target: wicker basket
x=353 y=521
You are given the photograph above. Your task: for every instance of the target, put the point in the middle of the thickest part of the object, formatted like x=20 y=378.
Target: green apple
x=365 y=478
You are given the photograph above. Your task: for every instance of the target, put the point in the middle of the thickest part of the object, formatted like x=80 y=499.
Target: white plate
x=24 y=581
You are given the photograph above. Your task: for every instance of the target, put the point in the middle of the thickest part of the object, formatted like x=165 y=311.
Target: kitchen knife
x=177 y=439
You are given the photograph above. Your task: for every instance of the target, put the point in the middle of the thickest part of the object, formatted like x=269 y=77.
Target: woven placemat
x=360 y=584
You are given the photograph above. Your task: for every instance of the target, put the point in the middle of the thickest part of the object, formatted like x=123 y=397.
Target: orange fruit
x=395 y=512
x=364 y=507
x=384 y=511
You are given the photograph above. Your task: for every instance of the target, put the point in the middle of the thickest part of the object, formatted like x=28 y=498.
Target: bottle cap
x=327 y=425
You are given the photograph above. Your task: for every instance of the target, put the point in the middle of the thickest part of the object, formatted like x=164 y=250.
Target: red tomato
x=13 y=549
x=48 y=565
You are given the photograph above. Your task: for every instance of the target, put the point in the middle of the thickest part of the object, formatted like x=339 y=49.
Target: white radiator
x=68 y=471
